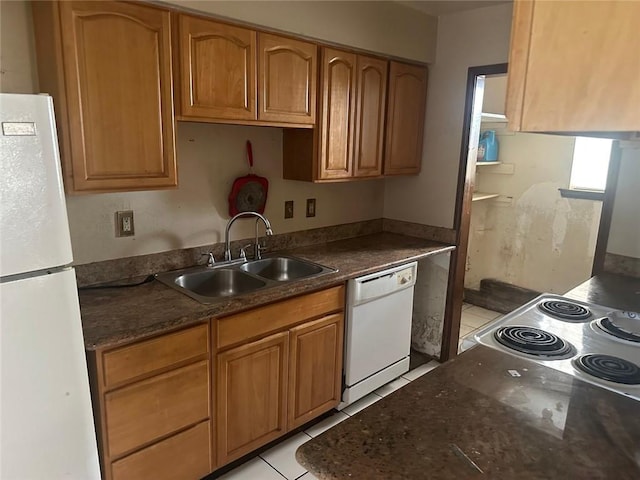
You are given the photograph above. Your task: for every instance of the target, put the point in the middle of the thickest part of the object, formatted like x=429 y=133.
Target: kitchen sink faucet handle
x=243 y=251
x=211 y=261
x=261 y=247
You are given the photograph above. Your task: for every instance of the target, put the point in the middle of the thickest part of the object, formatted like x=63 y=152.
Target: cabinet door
x=217 y=70
x=287 y=72
x=117 y=67
x=405 y=118
x=315 y=372
x=337 y=111
x=371 y=99
x=251 y=396
x=574 y=66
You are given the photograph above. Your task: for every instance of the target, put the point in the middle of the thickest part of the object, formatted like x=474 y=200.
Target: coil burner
x=533 y=341
x=565 y=310
x=607 y=367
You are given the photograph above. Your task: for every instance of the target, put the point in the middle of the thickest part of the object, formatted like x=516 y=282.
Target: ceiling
x=444 y=7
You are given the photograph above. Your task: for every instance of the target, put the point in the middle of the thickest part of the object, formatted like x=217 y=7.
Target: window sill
x=581 y=194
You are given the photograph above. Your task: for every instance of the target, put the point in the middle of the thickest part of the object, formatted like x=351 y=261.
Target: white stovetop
x=584 y=336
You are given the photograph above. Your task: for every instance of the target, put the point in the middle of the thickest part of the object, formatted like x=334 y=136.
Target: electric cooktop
x=596 y=344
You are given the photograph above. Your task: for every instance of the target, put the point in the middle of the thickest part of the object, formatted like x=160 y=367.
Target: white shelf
x=493 y=117
x=477 y=196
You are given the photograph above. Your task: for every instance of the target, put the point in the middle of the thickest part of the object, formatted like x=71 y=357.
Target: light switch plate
x=124 y=224
x=311 y=207
x=288 y=209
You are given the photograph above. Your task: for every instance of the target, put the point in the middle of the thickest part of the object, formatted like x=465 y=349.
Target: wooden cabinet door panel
x=338 y=105
x=185 y=455
x=218 y=68
x=117 y=61
x=315 y=373
x=405 y=118
x=577 y=66
x=287 y=72
x=147 y=410
x=370 y=116
x=251 y=396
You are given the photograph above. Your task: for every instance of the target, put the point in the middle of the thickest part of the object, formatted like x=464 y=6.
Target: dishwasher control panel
x=404 y=276
x=376 y=285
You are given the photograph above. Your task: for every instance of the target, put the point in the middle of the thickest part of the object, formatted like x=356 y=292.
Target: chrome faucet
x=257 y=248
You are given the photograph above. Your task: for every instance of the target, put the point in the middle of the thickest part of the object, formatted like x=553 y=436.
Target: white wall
x=379 y=26
x=530 y=236
x=18 y=72
x=211 y=156
x=467 y=39
x=624 y=237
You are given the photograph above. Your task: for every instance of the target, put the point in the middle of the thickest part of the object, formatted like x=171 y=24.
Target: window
x=589 y=168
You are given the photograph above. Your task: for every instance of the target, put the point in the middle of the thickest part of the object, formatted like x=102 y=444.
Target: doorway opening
x=524 y=226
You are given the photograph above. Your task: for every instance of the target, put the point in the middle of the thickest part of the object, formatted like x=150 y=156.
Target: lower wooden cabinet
x=315 y=368
x=145 y=411
x=185 y=455
x=152 y=407
x=251 y=396
x=161 y=413
x=269 y=386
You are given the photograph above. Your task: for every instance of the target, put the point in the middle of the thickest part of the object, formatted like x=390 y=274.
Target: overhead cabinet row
x=367 y=127
x=122 y=73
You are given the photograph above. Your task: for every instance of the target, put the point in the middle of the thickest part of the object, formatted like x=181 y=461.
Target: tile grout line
x=278 y=471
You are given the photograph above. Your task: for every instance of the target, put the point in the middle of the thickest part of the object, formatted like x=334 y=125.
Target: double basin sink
x=219 y=282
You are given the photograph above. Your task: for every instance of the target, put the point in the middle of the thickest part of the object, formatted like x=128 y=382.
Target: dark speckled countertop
x=510 y=417
x=542 y=424
x=120 y=315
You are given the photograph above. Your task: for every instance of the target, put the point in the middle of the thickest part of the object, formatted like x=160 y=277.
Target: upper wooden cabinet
x=287 y=73
x=217 y=70
x=371 y=99
x=574 y=66
x=348 y=141
x=337 y=109
x=108 y=66
x=405 y=118
x=237 y=75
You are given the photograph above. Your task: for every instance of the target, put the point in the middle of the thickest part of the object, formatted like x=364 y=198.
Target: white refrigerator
x=46 y=422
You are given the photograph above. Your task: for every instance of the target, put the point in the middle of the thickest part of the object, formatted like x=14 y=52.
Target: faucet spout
x=227 y=242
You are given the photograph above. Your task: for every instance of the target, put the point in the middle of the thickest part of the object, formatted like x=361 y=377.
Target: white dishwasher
x=378 y=330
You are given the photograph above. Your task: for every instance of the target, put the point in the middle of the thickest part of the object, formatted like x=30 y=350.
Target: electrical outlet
x=124 y=224
x=288 y=209
x=311 y=207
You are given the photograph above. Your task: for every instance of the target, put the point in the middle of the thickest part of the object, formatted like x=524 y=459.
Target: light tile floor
x=279 y=461
x=474 y=318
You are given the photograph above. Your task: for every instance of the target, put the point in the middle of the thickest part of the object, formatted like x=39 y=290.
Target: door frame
x=462 y=219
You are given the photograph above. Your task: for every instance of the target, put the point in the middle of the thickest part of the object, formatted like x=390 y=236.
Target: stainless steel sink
x=219 y=282
x=282 y=269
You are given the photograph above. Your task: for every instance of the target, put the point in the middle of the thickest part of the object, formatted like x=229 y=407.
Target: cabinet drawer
x=147 y=410
x=260 y=321
x=128 y=363
x=186 y=455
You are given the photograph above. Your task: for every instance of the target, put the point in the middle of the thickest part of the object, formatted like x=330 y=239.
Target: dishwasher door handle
x=390 y=275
